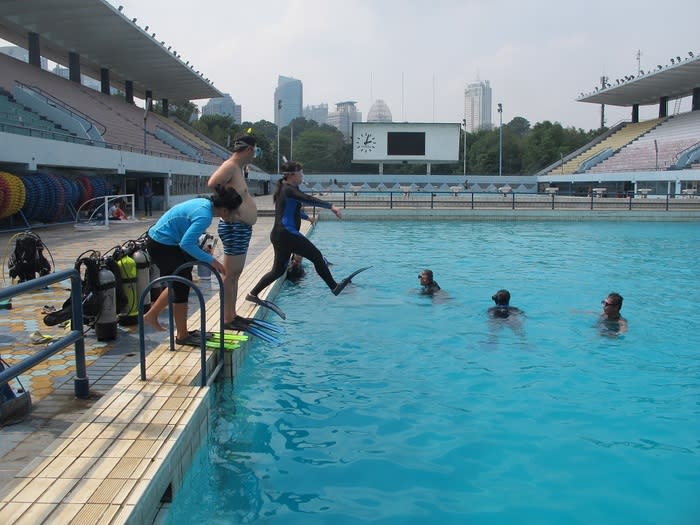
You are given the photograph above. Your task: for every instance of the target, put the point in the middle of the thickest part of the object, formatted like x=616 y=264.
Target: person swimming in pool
x=610 y=321
x=429 y=285
x=503 y=309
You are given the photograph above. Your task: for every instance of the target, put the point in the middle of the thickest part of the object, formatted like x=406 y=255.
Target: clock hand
x=367 y=140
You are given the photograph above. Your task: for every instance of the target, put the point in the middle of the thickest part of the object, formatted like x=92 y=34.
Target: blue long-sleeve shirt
x=182 y=225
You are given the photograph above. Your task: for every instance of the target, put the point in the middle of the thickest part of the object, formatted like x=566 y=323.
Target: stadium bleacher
x=121 y=123
x=671 y=138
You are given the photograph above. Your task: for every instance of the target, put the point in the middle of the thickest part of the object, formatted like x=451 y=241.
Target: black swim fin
x=342 y=284
x=267 y=304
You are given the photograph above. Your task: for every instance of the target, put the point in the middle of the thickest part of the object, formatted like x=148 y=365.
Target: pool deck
x=115 y=457
x=105 y=459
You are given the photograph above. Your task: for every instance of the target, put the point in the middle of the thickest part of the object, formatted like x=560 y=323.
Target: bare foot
x=152 y=321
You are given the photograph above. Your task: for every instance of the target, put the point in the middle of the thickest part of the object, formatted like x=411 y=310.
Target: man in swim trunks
x=235 y=234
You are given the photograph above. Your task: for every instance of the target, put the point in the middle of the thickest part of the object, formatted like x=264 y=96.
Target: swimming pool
x=385 y=406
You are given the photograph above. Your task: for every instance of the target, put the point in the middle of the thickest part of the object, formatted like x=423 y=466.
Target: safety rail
x=74 y=337
x=505 y=198
x=169 y=279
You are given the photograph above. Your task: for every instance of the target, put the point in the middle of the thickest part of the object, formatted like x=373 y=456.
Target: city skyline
x=538 y=56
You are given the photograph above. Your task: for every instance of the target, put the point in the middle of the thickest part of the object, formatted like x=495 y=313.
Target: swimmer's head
x=501 y=298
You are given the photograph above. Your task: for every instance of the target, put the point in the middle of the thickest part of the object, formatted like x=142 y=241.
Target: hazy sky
x=418 y=56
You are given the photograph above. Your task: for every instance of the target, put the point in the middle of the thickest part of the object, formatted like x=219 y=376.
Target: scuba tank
x=128 y=315
x=106 y=325
x=143 y=276
x=155 y=273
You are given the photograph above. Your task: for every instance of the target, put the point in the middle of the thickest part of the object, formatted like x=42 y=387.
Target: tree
x=320 y=150
x=185 y=111
x=218 y=128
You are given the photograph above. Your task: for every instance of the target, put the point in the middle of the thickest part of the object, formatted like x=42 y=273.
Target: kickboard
x=6 y=304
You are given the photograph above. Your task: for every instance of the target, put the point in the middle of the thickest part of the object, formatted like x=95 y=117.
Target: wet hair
x=290 y=167
x=429 y=273
x=243 y=141
x=226 y=198
x=501 y=298
x=616 y=297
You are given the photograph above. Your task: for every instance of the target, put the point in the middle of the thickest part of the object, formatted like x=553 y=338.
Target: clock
x=365 y=142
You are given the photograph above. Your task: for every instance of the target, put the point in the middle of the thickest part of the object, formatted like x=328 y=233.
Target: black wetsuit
x=430 y=288
x=287 y=239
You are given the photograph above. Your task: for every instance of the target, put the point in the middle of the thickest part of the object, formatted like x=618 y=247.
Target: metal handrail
x=466 y=199
x=169 y=279
x=75 y=336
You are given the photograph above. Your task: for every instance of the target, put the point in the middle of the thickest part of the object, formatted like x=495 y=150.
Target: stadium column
x=34 y=49
x=165 y=107
x=104 y=80
x=635 y=112
x=696 y=99
x=74 y=67
x=663 y=107
x=129 y=89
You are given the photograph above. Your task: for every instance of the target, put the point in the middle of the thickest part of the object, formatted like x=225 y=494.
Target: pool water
x=384 y=406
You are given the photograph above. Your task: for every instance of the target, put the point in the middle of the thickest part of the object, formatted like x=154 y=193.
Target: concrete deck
x=111 y=458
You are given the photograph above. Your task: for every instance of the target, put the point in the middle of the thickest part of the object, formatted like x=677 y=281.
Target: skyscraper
x=477 y=106
x=288 y=100
x=342 y=118
x=223 y=106
x=319 y=113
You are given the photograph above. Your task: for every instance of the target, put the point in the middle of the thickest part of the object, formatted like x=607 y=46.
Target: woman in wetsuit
x=285 y=235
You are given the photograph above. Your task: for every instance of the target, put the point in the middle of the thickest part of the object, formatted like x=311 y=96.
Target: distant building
x=379 y=112
x=344 y=115
x=288 y=100
x=317 y=113
x=223 y=106
x=22 y=54
x=477 y=106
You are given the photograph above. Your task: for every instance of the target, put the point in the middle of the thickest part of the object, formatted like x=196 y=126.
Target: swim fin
x=228 y=345
x=240 y=325
x=266 y=304
x=229 y=338
x=342 y=284
x=272 y=327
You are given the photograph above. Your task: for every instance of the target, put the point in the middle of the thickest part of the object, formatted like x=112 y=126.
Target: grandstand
x=657 y=157
x=60 y=129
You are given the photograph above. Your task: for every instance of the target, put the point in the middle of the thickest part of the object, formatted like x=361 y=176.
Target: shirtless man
x=235 y=235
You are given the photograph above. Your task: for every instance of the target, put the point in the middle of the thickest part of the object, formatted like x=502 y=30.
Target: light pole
x=464 y=121
x=291 y=140
x=500 y=139
x=279 y=123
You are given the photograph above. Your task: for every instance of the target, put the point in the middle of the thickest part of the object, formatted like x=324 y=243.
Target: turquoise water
x=384 y=406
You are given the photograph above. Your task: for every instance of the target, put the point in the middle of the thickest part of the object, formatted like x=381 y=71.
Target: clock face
x=365 y=142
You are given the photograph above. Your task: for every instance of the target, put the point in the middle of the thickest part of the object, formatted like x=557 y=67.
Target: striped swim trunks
x=235 y=237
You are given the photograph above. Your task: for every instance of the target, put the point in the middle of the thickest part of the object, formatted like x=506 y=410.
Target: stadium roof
x=673 y=81
x=104 y=38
